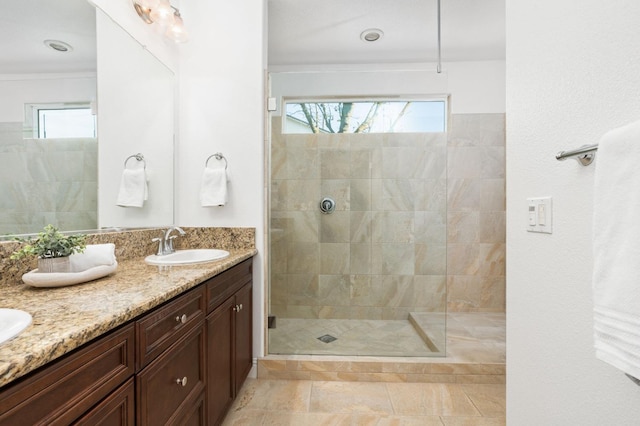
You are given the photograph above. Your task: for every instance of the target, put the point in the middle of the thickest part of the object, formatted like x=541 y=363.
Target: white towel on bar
x=92 y=256
x=133 y=188
x=213 y=191
x=616 y=249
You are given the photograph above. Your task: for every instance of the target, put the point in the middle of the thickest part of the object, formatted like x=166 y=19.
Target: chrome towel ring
x=138 y=157
x=219 y=157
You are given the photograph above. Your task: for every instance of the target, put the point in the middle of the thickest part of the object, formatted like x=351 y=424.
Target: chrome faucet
x=165 y=244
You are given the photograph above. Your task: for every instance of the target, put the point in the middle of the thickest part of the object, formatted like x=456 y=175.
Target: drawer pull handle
x=182 y=381
x=182 y=319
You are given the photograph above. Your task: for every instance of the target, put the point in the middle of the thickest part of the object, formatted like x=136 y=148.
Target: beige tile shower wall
x=386 y=250
x=46 y=181
x=382 y=253
x=476 y=213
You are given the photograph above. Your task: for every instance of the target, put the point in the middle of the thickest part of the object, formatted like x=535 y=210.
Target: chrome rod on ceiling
x=439 y=69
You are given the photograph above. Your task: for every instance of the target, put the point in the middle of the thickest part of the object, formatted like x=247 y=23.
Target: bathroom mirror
x=57 y=180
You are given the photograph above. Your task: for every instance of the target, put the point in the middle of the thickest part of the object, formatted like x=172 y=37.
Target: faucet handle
x=160 y=242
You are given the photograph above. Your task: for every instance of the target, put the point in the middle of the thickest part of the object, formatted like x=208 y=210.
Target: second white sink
x=12 y=322
x=187 y=257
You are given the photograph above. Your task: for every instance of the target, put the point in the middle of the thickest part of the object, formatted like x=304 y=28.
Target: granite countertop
x=65 y=318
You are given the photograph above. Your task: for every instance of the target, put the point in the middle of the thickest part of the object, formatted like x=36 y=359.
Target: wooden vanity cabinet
x=117 y=409
x=171 y=380
x=64 y=390
x=229 y=338
x=181 y=363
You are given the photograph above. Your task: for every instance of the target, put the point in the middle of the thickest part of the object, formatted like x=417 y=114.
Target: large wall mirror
x=72 y=181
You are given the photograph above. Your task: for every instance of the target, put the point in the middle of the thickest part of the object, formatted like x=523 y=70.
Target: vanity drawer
x=170 y=385
x=65 y=389
x=224 y=285
x=161 y=328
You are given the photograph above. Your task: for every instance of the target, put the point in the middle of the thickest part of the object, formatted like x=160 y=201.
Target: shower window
x=60 y=121
x=370 y=116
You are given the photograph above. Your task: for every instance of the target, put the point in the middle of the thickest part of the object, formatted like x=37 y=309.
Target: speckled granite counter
x=67 y=317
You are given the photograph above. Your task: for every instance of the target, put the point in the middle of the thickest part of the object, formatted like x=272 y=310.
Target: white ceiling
x=25 y=24
x=301 y=32
x=304 y=32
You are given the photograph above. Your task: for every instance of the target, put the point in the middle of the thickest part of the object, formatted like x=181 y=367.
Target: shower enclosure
x=357 y=243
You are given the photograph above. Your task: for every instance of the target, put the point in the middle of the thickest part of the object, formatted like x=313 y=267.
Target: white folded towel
x=93 y=255
x=133 y=188
x=616 y=249
x=213 y=191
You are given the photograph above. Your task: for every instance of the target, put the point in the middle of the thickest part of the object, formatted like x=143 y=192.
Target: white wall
x=572 y=75
x=135 y=115
x=221 y=110
x=475 y=87
x=16 y=90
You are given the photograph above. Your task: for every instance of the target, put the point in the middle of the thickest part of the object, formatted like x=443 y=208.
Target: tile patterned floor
x=353 y=337
x=471 y=337
x=310 y=403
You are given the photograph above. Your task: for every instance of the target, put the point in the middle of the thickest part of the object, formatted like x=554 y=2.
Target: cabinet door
x=118 y=409
x=220 y=361
x=65 y=389
x=172 y=381
x=243 y=336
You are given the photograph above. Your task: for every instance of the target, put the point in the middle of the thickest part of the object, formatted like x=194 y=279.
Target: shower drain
x=327 y=338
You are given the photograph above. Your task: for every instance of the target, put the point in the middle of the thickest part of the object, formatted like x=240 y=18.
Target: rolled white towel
x=93 y=255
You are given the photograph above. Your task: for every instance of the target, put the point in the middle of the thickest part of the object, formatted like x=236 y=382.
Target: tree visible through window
x=365 y=117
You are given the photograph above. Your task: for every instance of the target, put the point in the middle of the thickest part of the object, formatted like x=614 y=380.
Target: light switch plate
x=539 y=215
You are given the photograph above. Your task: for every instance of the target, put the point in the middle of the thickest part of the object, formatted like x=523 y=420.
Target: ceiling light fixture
x=371 y=35
x=59 y=46
x=160 y=12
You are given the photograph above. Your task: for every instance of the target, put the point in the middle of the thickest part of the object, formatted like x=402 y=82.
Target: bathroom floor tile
x=320 y=403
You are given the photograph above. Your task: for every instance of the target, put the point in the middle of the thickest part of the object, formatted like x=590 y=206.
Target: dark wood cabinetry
x=229 y=338
x=181 y=363
x=118 y=409
x=63 y=391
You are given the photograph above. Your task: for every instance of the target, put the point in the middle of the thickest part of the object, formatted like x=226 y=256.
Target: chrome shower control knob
x=327 y=205
x=182 y=381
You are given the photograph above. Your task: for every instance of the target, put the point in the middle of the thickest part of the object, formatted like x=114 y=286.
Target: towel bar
x=138 y=157
x=585 y=154
x=219 y=157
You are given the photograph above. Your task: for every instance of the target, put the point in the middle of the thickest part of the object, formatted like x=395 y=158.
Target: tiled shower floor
x=352 y=337
x=471 y=337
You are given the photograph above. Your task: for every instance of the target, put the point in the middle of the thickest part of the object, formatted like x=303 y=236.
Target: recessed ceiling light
x=371 y=35
x=58 y=45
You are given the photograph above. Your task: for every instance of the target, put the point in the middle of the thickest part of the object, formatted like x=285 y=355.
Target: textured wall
x=572 y=75
x=417 y=216
x=476 y=213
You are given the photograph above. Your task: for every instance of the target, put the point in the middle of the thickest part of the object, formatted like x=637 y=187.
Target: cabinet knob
x=240 y=307
x=236 y=308
x=182 y=381
x=182 y=319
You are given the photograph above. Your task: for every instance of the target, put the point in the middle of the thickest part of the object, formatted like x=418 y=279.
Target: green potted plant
x=52 y=249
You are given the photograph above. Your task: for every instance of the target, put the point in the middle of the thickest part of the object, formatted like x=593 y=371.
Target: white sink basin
x=12 y=322
x=187 y=257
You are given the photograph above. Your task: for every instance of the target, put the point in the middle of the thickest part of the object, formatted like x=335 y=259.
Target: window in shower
x=370 y=116
x=60 y=121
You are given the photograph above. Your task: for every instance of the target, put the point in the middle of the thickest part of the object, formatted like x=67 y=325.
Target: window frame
x=363 y=99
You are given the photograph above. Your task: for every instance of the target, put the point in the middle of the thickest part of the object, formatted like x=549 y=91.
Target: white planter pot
x=54 y=264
